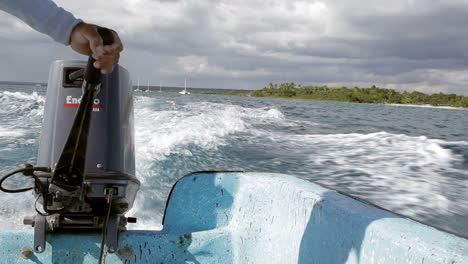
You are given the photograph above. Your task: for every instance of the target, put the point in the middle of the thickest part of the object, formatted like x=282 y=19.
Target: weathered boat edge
x=234 y=217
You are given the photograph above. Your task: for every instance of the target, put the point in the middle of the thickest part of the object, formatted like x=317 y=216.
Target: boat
x=138 y=85
x=248 y=217
x=210 y=217
x=147 y=87
x=185 y=89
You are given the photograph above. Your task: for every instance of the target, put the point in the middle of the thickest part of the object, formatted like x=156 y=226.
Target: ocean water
x=411 y=160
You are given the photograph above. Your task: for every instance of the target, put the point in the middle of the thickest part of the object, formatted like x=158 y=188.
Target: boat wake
x=21 y=118
x=179 y=134
x=416 y=176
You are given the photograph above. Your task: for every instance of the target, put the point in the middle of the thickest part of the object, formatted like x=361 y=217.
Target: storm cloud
x=245 y=44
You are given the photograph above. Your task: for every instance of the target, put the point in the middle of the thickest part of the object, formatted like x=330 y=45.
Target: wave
x=22 y=104
x=171 y=134
x=11 y=132
x=203 y=124
x=415 y=176
x=21 y=117
x=410 y=175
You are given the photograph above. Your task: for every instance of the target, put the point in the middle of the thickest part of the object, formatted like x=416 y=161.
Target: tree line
x=359 y=95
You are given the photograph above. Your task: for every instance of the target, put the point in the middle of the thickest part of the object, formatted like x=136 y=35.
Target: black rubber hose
x=27 y=171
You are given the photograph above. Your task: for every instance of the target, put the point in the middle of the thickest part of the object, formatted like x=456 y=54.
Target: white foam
x=21 y=117
x=399 y=172
x=21 y=112
x=175 y=131
x=20 y=100
x=22 y=96
x=162 y=133
x=11 y=132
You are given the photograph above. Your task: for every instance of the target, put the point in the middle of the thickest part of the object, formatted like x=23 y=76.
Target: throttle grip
x=93 y=75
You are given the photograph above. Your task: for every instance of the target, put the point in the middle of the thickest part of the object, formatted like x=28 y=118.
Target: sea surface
x=411 y=160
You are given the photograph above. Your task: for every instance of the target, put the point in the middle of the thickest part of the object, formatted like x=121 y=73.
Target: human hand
x=86 y=40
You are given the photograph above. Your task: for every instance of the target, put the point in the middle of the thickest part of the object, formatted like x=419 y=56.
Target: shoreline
x=430 y=106
x=372 y=95
x=405 y=105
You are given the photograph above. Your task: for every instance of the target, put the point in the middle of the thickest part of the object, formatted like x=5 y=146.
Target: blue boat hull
x=257 y=218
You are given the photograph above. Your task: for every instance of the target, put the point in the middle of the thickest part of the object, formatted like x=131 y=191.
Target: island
x=373 y=95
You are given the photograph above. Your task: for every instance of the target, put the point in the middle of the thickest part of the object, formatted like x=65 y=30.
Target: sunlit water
x=410 y=160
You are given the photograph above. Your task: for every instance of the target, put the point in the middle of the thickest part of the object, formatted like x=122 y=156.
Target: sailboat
x=138 y=85
x=185 y=89
x=147 y=87
x=160 y=87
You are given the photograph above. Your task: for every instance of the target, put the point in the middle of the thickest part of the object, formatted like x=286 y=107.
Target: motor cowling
x=111 y=137
x=85 y=173
x=110 y=155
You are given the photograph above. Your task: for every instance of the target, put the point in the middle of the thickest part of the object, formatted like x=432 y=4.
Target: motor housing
x=111 y=145
x=110 y=153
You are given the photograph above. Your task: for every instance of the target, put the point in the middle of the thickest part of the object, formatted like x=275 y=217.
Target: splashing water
x=410 y=160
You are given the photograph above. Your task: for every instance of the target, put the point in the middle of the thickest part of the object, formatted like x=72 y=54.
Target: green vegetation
x=237 y=93
x=372 y=95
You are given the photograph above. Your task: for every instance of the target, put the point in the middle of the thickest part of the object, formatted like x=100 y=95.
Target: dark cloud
x=412 y=45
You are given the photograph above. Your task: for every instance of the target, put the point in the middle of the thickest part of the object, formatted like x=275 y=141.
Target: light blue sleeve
x=44 y=16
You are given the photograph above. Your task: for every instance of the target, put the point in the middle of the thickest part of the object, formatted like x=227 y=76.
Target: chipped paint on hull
x=257 y=218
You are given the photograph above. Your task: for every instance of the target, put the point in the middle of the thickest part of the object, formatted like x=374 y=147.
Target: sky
x=405 y=45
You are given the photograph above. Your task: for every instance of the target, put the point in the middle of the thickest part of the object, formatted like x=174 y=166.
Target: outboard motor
x=110 y=156
x=85 y=178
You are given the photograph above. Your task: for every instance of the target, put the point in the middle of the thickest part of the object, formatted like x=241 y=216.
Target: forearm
x=44 y=16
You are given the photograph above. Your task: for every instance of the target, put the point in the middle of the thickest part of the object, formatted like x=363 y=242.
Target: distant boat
x=38 y=85
x=185 y=89
x=160 y=87
x=147 y=88
x=138 y=85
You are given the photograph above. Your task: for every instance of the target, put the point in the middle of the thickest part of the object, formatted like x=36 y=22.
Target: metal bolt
x=26 y=252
